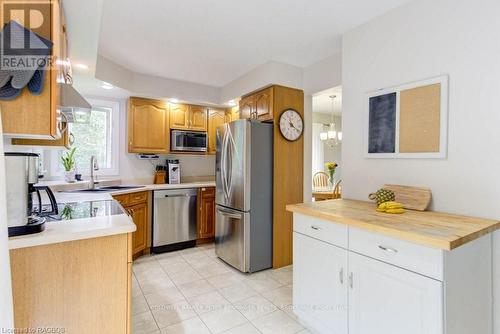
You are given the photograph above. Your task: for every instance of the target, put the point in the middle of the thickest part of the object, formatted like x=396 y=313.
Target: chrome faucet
x=93 y=167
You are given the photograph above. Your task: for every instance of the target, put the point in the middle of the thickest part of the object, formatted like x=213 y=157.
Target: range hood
x=73 y=105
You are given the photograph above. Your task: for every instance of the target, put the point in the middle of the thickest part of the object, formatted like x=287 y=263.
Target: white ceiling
x=322 y=102
x=213 y=42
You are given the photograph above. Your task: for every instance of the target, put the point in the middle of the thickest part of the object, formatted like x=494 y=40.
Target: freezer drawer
x=232 y=237
x=174 y=216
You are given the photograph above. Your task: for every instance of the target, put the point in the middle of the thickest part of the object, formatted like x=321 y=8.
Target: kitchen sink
x=120 y=187
x=103 y=189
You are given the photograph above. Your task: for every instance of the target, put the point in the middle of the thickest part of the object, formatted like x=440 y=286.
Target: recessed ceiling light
x=106 y=85
x=81 y=66
x=174 y=100
x=232 y=103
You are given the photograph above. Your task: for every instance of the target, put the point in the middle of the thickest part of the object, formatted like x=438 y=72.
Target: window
x=99 y=138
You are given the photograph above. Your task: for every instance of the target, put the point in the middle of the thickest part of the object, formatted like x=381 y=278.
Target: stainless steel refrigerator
x=244 y=194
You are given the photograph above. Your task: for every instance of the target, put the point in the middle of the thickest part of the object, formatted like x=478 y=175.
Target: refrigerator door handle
x=230 y=145
x=223 y=165
x=230 y=214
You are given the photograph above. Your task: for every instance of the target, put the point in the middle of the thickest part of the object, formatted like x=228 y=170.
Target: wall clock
x=291 y=124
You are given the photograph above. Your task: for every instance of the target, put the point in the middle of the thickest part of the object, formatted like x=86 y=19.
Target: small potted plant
x=68 y=161
x=331 y=166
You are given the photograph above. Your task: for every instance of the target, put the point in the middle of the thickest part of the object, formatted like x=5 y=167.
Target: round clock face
x=291 y=125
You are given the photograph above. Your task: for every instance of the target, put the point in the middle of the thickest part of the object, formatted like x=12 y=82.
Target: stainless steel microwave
x=188 y=141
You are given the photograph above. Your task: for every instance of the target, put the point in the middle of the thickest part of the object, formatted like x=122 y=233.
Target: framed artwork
x=408 y=121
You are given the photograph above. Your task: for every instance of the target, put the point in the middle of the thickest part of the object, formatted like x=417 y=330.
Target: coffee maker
x=23 y=217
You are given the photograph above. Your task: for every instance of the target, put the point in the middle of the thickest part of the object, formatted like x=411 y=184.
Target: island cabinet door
x=320 y=285
x=385 y=299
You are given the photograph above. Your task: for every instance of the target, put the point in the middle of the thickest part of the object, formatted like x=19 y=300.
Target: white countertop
x=77 y=229
x=76 y=196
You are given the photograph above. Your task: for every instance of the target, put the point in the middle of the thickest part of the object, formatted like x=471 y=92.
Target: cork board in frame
x=419 y=119
x=424 y=115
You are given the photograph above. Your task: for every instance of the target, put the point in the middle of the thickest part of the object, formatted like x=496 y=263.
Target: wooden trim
x=289 y=170
x=81 y=286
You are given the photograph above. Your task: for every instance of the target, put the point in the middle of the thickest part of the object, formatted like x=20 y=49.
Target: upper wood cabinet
x=66 y=139
x=188 y=117
x=259 y=105
x=233 y=113
x=36 y=116
x=206 y=213
x=148 y=126
x=179 y=116
x=216 y=117
x=247 y=107
x=198 y=118
x=264 y=104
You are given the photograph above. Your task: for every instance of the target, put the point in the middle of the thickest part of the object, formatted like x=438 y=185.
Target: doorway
x=327 y=144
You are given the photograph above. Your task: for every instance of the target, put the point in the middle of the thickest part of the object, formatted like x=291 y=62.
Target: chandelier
x=330 y=136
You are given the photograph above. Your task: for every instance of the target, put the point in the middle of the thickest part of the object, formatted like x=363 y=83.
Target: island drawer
x=420 y=259
x=136 y=198
x=332 y=233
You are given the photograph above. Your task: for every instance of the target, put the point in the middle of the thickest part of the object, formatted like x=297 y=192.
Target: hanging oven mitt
x=14 y=79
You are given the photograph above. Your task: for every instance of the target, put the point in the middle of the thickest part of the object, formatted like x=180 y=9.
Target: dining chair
x=320 y=180
x=337 y=190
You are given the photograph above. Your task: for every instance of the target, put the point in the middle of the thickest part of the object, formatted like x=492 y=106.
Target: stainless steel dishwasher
x=174 y=219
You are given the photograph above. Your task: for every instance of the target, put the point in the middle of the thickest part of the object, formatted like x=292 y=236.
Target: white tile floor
x=193 y=292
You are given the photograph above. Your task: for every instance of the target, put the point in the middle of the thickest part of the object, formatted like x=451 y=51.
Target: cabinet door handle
x=341 y=275
x=387 y=249
x=351 y=280
x=315 y=228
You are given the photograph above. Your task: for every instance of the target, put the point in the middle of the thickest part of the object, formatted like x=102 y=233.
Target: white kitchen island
x=358 y=271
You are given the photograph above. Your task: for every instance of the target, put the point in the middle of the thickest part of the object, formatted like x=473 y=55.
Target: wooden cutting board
x=413 y=198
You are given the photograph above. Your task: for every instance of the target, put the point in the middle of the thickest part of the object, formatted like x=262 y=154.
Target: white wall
x=423 y=39
x=6 y=313
x=269 y=73
x=324 y=74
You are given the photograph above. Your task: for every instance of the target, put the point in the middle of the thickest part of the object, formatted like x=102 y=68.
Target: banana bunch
x=391 y=207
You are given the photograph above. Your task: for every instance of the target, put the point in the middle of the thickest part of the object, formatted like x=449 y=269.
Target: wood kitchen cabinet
x=233 y=113
x=247 y=107
x=148 y=129
x=216 y=117
x=80 y=286
x=36 y=116
x=198 y=118
x=65 y=141
x=206 y=214
x=259 y=105
x=137 y=206
x=179 y=116
x=188 y=117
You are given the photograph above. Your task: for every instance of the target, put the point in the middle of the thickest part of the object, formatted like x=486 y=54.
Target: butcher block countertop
x=428 y=228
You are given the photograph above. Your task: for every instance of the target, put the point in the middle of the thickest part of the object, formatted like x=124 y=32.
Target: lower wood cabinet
x=139 y=214
x=136 y=204
x=81 y=286
x=206 y=214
